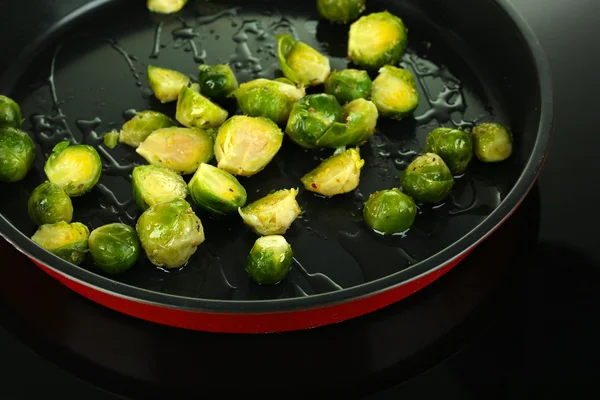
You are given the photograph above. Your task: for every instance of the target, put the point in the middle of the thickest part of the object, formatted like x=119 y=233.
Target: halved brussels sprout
x=270 y=260
x=493 y=142
x=311 y=117
x=272 y=214
x=179 y=149
x=360 y=118
x=10 y=113
x=216 y=191
x=394 y=92
x=197 y=111
x=348 y=84
x=300 y=63
x=245 y=145
x=111 y=139
x=166 y=6
x=170 y=233
x=390 y=211
x=138 y=128
x=75 y=169
x=427 y=179
x=67 y=241
x=153 y=185
x=455 y=146
x=166 y=83
x=342 y=11
x=376 y=40
x=114 y=247
x=49 y=204
x=269 y=99
x=17 y=154
x=337 y=174
x=217 y=81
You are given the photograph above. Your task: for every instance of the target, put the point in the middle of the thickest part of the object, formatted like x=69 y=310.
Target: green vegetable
x=10 y=113
x=337 y=174
x=311 y=117
x=453 y=145
x=114 y=247
x=270 y=260
x=427 y=179
x=170 y=233
x=153 y=185
x=111 y=139
x=138 y=128
x=67 y=241
x=216 y=191
x=492 y=142
x=17 y=154
x=272 y=214
x=196 y=111
x=342 y=11
x=49 y=204
x=360 y=120
x=394 y=92
x=179 y=149
x=166 y=6
x=75 y=169
x=348 y=84
x=217 y=81
x=376 y=40
x=166 y=83
x=390 y=211
x=245 y=145
x=300 y=63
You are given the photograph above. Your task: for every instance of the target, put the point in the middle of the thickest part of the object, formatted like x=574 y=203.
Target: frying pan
x=84 y=74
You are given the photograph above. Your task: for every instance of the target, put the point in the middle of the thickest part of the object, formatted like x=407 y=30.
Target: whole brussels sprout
x=179 y=149
x=348 y=84
x=196 y=111
x=10 y=113
x=394 y=92
x=453 y=145
x=216 y=191
x=17 y=154
x=75 y=169
x=300 y=63
x=427 y=179
x=153 y=185
x=389 y=211
x=493 y=142
x=49 y=204
x=138 y=128
x=67 y=241
x=342 y=11
x=166 y=83
x=269 y=99
x=114 y=247
x=376 y=40
x=272 y=214
x=170 y=233
x=311 y=117
x=166 y=6
x=111 y=139
x=270 y=260
x=337 y=174
x=245 y=145
x=217 y=81
x=360 y=118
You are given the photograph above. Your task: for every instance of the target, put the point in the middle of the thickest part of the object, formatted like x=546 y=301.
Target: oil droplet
x=157 y=36
x=320 y=283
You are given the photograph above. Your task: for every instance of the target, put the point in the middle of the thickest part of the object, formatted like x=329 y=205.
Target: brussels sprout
x=311 y=117
x=245 y=145
x=342 y=11
x=17 y=154
x=179 y=149
x=216 y=191
x=390 y=211
x=111 y=139
x=272 y=214
x=427 y=179
x=217 y=81
x=269 y=99
x=270 y=260
x=153 y=185
x=394 y=92
x=196 y=111
x=455 y=146
x=376 y=40
x=360 y=118
x=337 y=174
x=67 y=241
x=492 y=142
x=138 y=128
x=10 y=113
x=49 y=204
x=166 y=83
x=75 y=169
x=348 y=84
x=170 y=233
x=114 y=247
x=166 y=6
x=300 y=63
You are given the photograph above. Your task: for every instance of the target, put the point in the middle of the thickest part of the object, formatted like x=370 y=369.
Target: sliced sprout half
x=153 y=185
x=360 y=121
x=340 y=11
x=67 y=241
x=75 y=169
x=216 y=191
x=336 y=175
x=272 y=214
x=311 y=117
x=196 y=111
x=166 y=83
x=217 y=81
x=165 y=6
x=138 y=128
x=492 y=141
x=301 y=63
